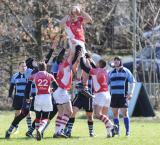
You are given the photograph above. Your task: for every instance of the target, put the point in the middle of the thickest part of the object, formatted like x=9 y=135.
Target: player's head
x=101 y=63
x=42 y=66
x=117 y=61
x=31 y=63
x=22 y=66
x=75 y=11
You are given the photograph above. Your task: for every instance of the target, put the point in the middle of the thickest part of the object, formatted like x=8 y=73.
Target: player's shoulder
x=32 y=76
x=28 y=72
x=50 y=75
x=112 y=71
x=126 y=70
x=15 y=75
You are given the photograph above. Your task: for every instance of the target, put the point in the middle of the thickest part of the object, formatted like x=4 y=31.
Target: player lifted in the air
x=73 y=24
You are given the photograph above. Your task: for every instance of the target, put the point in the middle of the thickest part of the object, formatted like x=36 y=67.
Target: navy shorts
x=81 y=101
x=26 y=106
x=17 y=102
x=118 y=101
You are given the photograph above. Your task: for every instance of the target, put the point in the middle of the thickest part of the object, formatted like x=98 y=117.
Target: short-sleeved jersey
x=99 y=77
x=64 y=75
x=118 y=81
x=19 y=81
x=75 y=29
x=42 y=80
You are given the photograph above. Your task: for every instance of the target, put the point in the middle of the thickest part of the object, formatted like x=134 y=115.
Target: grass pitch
x=143 y=132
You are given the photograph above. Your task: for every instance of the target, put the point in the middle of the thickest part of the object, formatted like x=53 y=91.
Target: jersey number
x=42 y=82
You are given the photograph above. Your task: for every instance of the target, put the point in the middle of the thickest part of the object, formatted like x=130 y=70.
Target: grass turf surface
x=143 y=132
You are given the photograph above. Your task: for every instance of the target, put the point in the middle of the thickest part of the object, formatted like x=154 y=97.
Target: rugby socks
x=90 y=127
x=70 y=125
x=46 y=126
x=29 y=122
x=116 y=122
x=37 y=122
x=106 y=121
x=127 y=125
x=11 y=129
x=64 y=121
x=16 y=126
x=58 y=124
x=32 y=128
x=42 y=124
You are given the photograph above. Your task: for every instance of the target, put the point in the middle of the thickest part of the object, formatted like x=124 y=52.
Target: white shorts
x=102 y=99
x=74 y=42
x=43 y=102
x=61 y=96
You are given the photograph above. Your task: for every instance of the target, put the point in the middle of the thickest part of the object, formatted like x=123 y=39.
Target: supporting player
x=84 y=101
x=102 y=96
x=54 y=70
x=54 y=111
x=61 y=96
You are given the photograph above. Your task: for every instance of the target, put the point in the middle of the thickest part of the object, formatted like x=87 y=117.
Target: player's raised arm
x=83 y=66
x=48 y=56
x=64 y=20
x=86 y=16
x=61 y=55
x=54 y=83
x=90 y=60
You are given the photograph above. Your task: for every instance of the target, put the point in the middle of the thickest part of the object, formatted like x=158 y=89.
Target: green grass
x=143 y=132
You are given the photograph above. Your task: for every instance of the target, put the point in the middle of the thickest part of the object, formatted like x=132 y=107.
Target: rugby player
x=102 y=96
x=43 y=99
x=18 y=82
x=81 y=100
x=118 y=80
x=61 y=96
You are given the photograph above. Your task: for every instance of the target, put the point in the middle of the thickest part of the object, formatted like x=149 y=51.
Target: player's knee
x=115 y=114
x=29 y=114
x=70 y=112
x=90 y=118
x=25 y=113
x=97 y=115
x=73 y=114
x=125 y=114
x=18 y=112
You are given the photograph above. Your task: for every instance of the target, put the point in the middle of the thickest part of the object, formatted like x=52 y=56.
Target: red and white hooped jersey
x=75 y=29
x=42 y=80
x=99 y=77
x=64 y=75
